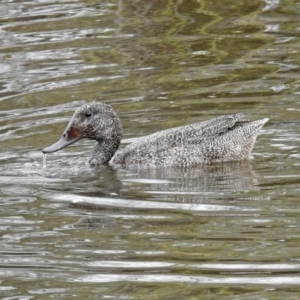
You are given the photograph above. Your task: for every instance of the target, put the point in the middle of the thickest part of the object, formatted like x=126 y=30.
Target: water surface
x=223 y=231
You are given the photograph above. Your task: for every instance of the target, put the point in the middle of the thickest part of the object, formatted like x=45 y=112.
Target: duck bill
x=70 y=136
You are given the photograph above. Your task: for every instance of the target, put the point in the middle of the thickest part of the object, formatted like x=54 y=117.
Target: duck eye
x=88 y=114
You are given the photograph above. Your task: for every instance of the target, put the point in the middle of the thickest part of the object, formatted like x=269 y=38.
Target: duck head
x=94 y=121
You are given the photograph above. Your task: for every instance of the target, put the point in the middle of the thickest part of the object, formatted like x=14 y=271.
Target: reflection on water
x=204 y=178
x=222 y=230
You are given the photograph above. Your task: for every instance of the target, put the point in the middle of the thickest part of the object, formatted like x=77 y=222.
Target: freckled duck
x=221 y=139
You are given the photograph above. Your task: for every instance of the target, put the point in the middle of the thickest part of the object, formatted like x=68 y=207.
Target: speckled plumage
x=221 y=139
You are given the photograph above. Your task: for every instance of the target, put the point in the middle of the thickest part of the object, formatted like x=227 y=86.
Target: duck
x=221 y=139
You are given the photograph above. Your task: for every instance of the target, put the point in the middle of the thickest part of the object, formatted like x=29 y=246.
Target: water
x=224 y=231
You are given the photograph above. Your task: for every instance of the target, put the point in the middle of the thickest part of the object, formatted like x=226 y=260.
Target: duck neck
x=104 y=151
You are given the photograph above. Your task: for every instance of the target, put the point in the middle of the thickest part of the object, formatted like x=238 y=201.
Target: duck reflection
x=206 y=182
x=207 y=188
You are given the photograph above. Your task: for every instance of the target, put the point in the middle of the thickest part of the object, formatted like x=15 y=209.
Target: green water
x=224 y=231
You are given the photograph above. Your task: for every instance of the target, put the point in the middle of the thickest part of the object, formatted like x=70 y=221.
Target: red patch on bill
x=73 y=132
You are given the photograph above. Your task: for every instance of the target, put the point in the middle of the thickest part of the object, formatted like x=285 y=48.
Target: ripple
x=203 y=280
x=147 y=204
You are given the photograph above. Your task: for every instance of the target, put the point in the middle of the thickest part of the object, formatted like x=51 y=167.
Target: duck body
x=220 y=139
